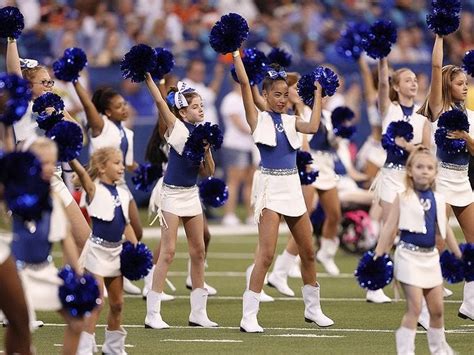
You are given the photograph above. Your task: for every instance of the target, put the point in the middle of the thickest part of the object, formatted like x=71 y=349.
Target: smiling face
x=276 y=96
x=41 y=82
x=459 y=87
x=194 y=112
x=117 y=109
x=406 y=84
x=113 y=169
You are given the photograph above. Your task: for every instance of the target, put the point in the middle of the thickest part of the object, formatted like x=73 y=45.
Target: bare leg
x=135 y=220
x=414 y=297
x=115 y=289
x=72 y=332
x=434 y=302
x=465 y=216
x=194 y=232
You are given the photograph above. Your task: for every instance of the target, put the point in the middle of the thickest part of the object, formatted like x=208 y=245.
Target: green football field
x=360 y=327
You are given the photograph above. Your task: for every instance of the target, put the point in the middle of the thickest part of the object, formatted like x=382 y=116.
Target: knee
x=415 y=310
x=307 y=256
x=167 y=255
x=76 y=326
x=266 y=260
x=334 y=217
x=436 y=313
x=207 y=236
x=197 y=254
x=116 y=307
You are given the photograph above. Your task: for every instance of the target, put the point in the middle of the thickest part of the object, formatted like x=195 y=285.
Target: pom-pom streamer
x=136 y=261
x=194 y=146
x=228 y=33
x=467 y=250
x=48 y=100
x=16 y=94
x=374 y=274
x=12 y=22
x=164 y=63
x=303 y=161
x=468 y=62
x=397 y=129
x=341 y=117
x=349 y=44
x=280 y=56
x=379 y=39
x=146 y=175
x=213 y=192
x=255 y=63
x=451 y=267
x=68 y=137
x=141 y=59
x=326 y=78
x=68 y=67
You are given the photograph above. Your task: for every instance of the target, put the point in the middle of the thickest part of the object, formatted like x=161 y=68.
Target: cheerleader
x=31 y=248
x=448 y=92
x=108 y=205
x=396 y=103
x=179 y=199
x=419 y=214
x=279 y=190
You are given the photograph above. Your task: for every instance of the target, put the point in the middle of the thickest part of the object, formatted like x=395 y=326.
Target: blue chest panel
x=111 y=231
x=320 y=140
x=31 y=246
x=427 y=240
x=283 y=156
x=123 y=139
x=339 y=167
x=180 y=170
x=461 y=158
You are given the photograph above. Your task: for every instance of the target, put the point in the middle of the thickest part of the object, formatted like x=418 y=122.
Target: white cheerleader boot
x=466 y=311
x=189 y=284
x=377 y=296
x=424 y=318
x=148 y=282
x=114 y=342
x=312 y=310
x=278 y=278
x=447 y=292
x=250 y=307
x=326 y=254
x=153 y=307
x=198 y=316
x=86 y=344
x=437 y=342
x=263 y=296
x=405 y=340
x=130 y=288
x=295 y=270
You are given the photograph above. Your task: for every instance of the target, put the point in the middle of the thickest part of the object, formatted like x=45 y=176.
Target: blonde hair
x=418 y=151
x=448 y=74
x=42 y=143
x=98 y=160
x=30 y=73
x=395 y=80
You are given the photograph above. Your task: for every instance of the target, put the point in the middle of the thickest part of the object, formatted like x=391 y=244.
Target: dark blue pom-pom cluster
x=340 y=118
x=68 y=67
x=326 y=78
x=374 y=274
x=12 y=22
x=68 y=137
x=468 y=62
x=303 y=159
x=146 y=175
x=451 y=267
x=349 y=44
x=280 y=56
x=379 y=39
x=26 y=193
x=141 y=59
x=397 y=129
x=452 y=120
x=467 y=250
x=213 y=192
x=136 y=261
x=79 y=295
x=194 y=146
x=18 y=94
x=164 y=63
x=228 y=33
x=255 y=63
x=47 y=121
x=444 y=17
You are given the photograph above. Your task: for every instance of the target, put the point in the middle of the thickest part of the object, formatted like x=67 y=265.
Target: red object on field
x=77 y=197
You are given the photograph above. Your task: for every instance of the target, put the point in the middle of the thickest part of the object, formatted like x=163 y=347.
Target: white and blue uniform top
x=114 y=134
x=397 y=112
x=322 y=140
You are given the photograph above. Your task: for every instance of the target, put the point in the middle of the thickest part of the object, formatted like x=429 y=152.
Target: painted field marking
x=99 y=346
x=203 y=340
x=343 y=275
x=304 y=336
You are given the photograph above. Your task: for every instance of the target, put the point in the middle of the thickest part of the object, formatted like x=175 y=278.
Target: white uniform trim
x=101 y=205
x=395 y=113
x=265 y=131
x=177 y=136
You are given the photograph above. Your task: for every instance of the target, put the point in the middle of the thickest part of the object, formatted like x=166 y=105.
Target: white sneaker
x=447 y=292
x=230 y=220
x=130 y=288
x=377 y=296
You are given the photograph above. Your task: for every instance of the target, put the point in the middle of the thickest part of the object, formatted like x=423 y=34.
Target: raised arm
x=86 y=181
x=389 y=229
x=165 y=113
x=384 y=87
x=435 y=103
x=367 y=82
x=258 y=98
x=13 y=58
x=250 y=110
x=312 y=126
x=94 y=119
x=216 y=83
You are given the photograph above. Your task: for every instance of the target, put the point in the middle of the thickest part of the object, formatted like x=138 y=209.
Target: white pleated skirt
x=101 y=260
x=388 y=183
x=455 y=186
x=419 y=269
x=279 y=193
x=4 y=250
x=324 y=163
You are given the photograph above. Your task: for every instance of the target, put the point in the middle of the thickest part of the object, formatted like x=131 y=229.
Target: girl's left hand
x=401 y=142
x=459 y=134
x=207 y=146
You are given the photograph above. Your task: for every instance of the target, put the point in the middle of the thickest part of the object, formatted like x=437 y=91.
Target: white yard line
x=203 y=340
x=304 y=336
x=242 y=274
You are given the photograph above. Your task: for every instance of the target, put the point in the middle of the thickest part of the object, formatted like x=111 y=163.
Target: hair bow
x=179 y=99
x=28 y=63
x=273 y=74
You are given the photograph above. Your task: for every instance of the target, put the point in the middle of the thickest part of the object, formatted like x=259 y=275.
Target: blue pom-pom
x=349 y=44
x=443 y=22
x=378 y=41
x=228 y=34
x=280 y=56
x=340 y=118
x=448 y=5
x=26 y=193
x=68 y=137
x=68 y=67
x=194 y=146
x=79 y=295
x=17 y=93
x=452 y=120
x=467 y=250
x=397 y=129
x=146 y=175
x=12 y=22
x=135 y=261
x=450 y=146
x=213 y=192
x=326 y=78
x=374 y=274
x=303 y=159
x=47 y=122
x=141 y=59
x=49 y=99
x=255 y=63
x=468 y=62
x=164 y=63
x=451 y=267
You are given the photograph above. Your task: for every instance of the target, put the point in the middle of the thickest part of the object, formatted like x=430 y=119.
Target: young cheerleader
x=396 y=103
x=279 y=190
x=108 y=204
x=448 y=91
x=419 y=214
x=31 y=248
x=179 y=199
